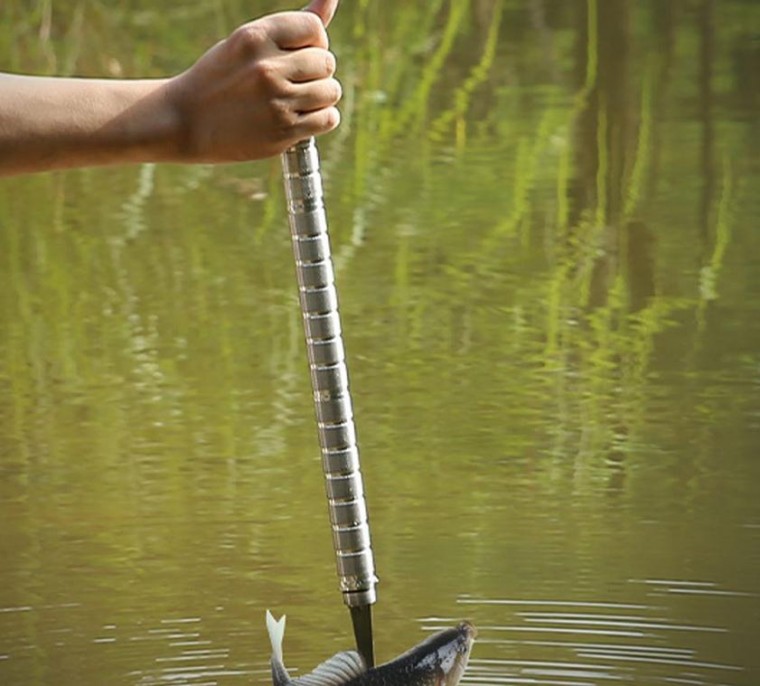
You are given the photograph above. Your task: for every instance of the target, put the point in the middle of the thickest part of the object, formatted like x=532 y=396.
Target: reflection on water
x=543 y=217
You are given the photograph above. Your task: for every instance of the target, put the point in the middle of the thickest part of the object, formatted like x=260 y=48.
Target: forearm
x=53 y=123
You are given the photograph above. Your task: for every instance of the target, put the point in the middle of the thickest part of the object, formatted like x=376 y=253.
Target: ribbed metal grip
x=329 y=375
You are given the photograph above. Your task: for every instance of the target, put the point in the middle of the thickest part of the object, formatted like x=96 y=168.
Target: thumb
x=324 y=9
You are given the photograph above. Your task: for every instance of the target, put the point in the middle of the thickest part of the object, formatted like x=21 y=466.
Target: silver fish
x=440 y=660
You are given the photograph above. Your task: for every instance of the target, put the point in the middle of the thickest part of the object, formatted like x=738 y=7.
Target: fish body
x=440 y=660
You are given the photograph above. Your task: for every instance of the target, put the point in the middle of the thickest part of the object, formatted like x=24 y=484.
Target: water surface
x=544 y=223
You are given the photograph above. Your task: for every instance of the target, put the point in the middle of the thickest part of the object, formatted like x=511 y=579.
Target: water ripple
x=596 y=642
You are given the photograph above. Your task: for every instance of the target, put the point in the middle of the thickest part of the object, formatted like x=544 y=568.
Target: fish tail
x=276 y=629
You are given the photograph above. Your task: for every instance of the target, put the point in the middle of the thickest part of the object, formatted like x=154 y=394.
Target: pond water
x=544 y=221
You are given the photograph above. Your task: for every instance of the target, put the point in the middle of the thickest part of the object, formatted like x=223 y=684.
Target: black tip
x=361 y=617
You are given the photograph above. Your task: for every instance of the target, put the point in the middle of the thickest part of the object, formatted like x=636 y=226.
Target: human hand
x=259 y=91
x=264 y=88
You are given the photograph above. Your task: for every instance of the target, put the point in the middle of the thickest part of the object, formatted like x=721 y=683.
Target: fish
x=440 y=660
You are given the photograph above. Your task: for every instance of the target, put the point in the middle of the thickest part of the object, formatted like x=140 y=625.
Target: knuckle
x=249 y=38
x=266 y=71
x=283 y=115
x=313 y=24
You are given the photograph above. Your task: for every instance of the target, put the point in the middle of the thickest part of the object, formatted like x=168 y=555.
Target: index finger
x=292 y=30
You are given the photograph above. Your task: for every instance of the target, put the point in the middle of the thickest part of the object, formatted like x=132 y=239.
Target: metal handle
x=329 y=375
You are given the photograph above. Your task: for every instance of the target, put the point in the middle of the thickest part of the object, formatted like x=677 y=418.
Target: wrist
x=148 y=128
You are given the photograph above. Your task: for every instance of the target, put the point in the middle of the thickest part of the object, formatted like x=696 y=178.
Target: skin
x=266 y=86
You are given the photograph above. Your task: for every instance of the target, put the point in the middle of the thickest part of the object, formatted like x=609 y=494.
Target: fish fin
x=339 y=669
x=276 y=629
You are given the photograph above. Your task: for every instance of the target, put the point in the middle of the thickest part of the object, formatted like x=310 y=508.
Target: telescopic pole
x=329 y=379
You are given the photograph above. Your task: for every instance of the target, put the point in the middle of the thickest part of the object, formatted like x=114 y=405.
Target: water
x=548 y=270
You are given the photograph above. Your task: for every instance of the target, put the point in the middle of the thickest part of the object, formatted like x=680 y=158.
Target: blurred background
x=544 y=220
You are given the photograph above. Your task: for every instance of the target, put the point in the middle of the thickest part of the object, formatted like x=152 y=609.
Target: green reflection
x=543 y=220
